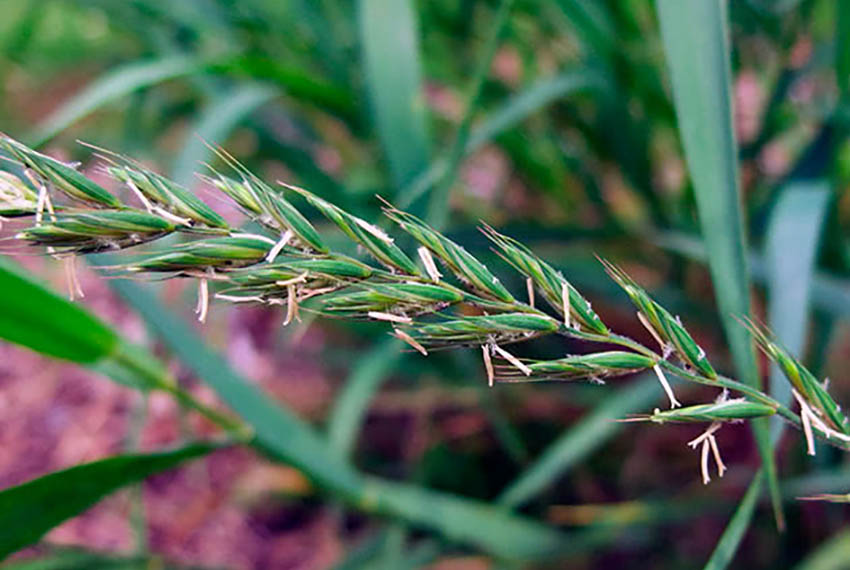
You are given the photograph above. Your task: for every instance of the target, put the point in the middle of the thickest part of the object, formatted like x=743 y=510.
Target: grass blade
x=725 y=549
x=832 y=554
x=297 y=83
x=790 y=252
x=513 y=112
x=579 y=441
x=29 y=510
x=829 y=294
x=214 y=124
x=842 y=48
x=113 y=85
x=696 y=46
x=389 y=38
x=33 y=316
x=372 y=369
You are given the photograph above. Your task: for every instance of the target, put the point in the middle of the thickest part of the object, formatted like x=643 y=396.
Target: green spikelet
x=549 y=281
x=16 y=197
x=270 y=208
x=722 y=411
x=465 y=267
x=167 y=194
x=665 y=325
x=98 y=230
x=218 y=253
x=398 y=298
x=593 y=367
x=504 y=328
x=800 y=378
x=60 y=176
x=375 y=241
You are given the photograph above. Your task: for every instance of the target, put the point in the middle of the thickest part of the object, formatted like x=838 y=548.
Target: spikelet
x=593 y=367
x=372 y=238
x=465 y=267
x=803 y=381
x=558 y=292
x=59 y=175
x=664 y=326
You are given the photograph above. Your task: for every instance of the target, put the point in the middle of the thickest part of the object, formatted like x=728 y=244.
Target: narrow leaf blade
x=29 y=510
x=389 y=38
x=696 y=46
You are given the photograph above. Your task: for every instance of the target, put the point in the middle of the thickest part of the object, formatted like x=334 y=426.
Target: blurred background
x=549 y=119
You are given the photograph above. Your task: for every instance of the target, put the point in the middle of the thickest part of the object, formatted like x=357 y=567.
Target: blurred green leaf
x=350 y=407
x=113 y=85
x=832 y=554
x=790 y=253
x=294 y=81
x=214 y=124
x=29 y=510
x=438 y=206
x=578 y=441
x=390 y=42
x=696 y=46
x=842 y=47
x=725 y=549
x=79 y=559
x=829 y=294
x=509 y=115
x=592 y=23
x=33 y=316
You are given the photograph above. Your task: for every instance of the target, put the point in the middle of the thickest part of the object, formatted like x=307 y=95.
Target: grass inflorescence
x=442 y=297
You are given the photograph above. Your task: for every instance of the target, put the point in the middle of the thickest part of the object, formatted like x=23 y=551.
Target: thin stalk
x=438 y=207
x=159 y=379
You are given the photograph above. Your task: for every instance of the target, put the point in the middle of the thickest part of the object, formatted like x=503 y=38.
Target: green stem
x=158 y=378
x=438 y=206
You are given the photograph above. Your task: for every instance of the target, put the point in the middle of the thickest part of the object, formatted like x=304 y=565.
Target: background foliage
x=693 y=143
